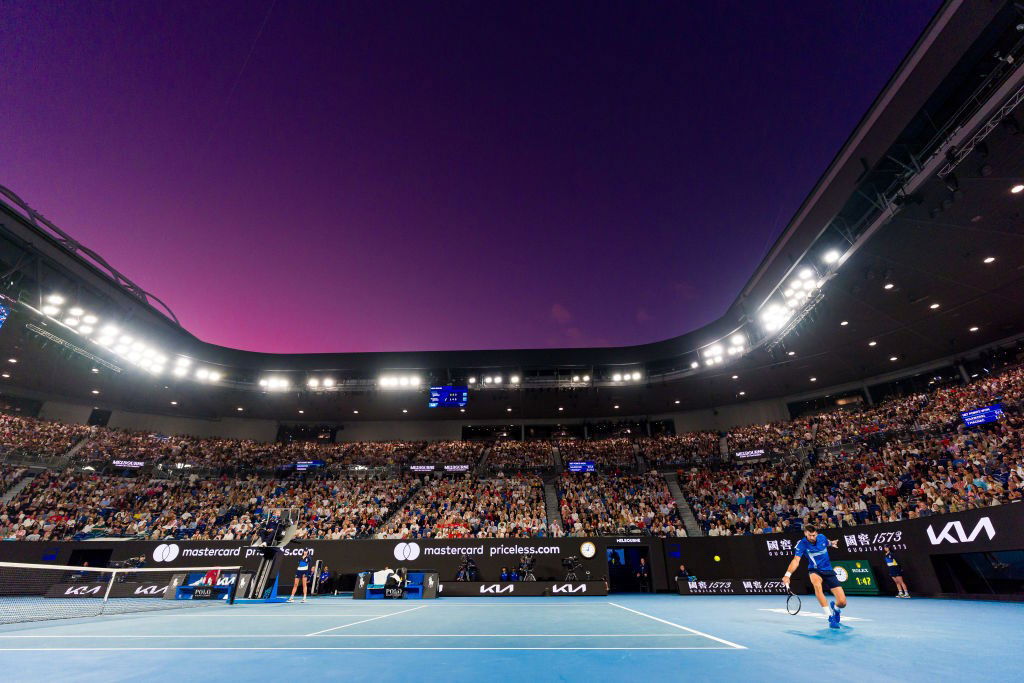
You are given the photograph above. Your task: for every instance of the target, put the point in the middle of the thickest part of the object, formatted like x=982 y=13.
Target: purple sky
x=383 y=176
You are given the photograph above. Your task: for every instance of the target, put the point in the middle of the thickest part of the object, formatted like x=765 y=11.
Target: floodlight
x=55 y=299
x=328 y=382
x=830 y=256
x=51 y=310
x=617 y=377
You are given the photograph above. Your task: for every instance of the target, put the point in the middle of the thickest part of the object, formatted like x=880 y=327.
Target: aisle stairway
x=685 y=512
x=551 y=509
x=19 y=485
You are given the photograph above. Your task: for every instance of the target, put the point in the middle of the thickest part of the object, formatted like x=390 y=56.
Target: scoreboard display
x=448 y=397
x=980 y=416
x=582 y=466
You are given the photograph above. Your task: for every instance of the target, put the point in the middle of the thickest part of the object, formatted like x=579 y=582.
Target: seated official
x=683 y=574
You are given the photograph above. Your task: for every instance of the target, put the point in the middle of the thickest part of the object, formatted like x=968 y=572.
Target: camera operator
x=467 y=570
x=526 y=564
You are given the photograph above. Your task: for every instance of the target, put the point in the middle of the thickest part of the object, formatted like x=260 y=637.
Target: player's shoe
x=289 y=600
x=303 y=601
x=833 y=621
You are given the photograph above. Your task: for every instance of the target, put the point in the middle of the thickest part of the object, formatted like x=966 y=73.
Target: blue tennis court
x=568 y=638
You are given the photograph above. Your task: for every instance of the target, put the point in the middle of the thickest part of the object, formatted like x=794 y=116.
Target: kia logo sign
x=165 y=552
x=946 y=535
x=150 y=590
x=407 y=552
x=496 y=588
x=82 y=590
x=569 y=588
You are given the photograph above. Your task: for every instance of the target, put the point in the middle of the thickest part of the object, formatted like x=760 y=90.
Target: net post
x=110 y=584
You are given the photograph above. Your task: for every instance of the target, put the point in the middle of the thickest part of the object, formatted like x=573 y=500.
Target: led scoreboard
x=448 y=397
x=982 y=415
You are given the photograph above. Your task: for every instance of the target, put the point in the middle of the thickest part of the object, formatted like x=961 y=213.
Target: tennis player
x=814 y=547
x=303 y=573
x=896 y=573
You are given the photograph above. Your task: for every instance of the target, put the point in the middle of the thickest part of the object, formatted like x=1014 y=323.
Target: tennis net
x=38 y=592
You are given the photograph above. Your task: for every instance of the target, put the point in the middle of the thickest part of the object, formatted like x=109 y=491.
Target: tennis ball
x=717 y=558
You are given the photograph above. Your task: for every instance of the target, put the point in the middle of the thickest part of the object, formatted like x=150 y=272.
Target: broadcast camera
x=526 y=564
x=572 y=565
x=467 y=570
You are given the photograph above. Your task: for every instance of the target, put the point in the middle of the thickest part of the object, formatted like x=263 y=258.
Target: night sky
x=382 y=176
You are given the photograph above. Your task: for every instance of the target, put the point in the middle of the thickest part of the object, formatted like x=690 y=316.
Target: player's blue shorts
x=303 y=574
x=895 y=571
x=829 y=580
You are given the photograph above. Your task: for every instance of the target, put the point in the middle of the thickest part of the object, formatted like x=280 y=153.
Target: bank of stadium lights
x=633 y=376
x=275 y=383
x=716 y=353
x=795 y=294
x=208 y=375
x=320 y=382
x=399 y=382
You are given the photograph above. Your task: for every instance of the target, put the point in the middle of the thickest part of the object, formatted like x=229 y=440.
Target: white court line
x=277 y=649
x=370 y=635
x=685 y=628
x=391 y=614
x=276 y=616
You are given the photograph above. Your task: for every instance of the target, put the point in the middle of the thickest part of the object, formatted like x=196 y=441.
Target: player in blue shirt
x=302 y=573
x=814 y=547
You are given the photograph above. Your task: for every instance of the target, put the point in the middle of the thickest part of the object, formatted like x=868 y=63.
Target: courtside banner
x=916 y=542
x=351 y=557
x=473 y=589
x=731 y=587
x=739 y=558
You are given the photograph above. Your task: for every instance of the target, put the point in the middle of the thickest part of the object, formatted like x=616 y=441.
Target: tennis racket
x=792 y=602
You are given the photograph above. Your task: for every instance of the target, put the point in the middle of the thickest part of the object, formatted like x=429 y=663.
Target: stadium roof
x=919 y=198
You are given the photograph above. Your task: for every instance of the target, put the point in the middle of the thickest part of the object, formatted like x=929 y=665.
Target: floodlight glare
x=586 y=378
x=497 y=379
x=313 y=382
x=636 y=376
x=575 y=378
x=404 y=381
x=806 y=273
x=71 y=322
x=472 y=380
x=694 y=365
x=180 y=371
x=55 y=299
x=617 y=377
x=202 y=373
x=830 y=256
x=85 y=329
x=214 y=376
x=90 y=319
x=76 y=311
x=488 y=379
x=414 y=381
x=328 y=382
x=738 y=340
x=514 y=379
x=51 y=310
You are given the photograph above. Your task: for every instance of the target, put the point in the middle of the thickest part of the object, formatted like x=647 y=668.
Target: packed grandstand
x=907 y=457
